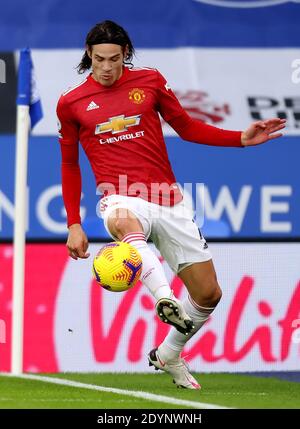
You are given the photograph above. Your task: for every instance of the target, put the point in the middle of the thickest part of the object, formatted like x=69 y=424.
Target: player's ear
x=88 y=51
x=125 y=52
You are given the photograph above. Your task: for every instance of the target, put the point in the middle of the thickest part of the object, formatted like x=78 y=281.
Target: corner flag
x=27 y=90
x=29 y=112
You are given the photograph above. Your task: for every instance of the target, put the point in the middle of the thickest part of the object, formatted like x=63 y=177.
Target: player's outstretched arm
x=262 y=131
x=77 y=243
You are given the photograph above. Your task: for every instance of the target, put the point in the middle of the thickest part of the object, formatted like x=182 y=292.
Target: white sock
x=174 y=342
x=153 y=275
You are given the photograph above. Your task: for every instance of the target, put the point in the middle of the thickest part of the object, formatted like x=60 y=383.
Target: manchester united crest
x=137 y=95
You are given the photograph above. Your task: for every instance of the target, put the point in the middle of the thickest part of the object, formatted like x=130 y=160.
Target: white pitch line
x=134 y=393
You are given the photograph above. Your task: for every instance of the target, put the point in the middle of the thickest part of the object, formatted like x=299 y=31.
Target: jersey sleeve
x=70 y=169
x=68 y=128
x=196 y=131
x=168 y=104
x=188 y=128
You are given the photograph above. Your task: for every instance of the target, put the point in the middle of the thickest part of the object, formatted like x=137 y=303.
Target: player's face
x=107 y=62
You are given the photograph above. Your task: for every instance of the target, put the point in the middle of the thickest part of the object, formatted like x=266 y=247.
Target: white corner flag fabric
x=29 y=112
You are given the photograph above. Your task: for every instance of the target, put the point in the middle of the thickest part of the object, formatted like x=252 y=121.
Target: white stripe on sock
x=198 y=307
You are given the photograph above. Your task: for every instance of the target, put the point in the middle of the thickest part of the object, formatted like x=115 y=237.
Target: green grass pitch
x=228 y=390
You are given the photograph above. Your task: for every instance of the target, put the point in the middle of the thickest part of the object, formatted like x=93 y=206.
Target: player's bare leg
x=122 y=221
x=204 y=294
x=124 y=225
x=201 y=282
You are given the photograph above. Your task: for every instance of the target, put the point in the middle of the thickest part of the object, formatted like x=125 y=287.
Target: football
x=117 y=266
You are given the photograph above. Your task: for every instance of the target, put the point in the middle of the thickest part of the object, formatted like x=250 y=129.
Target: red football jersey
x=120 y=131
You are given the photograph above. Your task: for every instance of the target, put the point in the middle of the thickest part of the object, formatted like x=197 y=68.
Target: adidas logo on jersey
x=92 y=106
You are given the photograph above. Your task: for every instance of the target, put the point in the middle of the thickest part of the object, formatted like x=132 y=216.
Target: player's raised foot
x=171 y=311
x=177 y=368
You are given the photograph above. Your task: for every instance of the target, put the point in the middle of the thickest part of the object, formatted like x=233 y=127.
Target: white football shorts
x=172 y=229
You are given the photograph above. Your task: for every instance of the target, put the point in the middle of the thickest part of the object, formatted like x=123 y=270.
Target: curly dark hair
x=106 y=32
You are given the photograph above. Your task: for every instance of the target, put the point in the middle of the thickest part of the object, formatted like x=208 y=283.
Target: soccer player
x=114 y=114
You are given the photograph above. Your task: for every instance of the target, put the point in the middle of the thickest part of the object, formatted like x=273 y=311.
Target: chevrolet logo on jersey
x=117 y=124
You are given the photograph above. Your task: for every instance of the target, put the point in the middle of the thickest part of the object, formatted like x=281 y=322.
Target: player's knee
x=121 y=225
x=210 y=293
x=217 y=295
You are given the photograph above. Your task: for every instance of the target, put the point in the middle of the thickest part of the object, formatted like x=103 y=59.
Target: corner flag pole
x=19 y=238
x=29 y=112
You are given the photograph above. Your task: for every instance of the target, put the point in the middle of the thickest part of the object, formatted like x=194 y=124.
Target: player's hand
x=262 y=131
x=77 y=243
